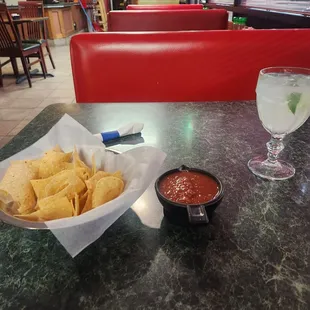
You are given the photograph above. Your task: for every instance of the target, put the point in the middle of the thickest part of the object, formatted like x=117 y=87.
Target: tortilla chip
x=82 y=173
x=72 y=207
x=82 y=200
x=75 y=185
x=40 y=185
x=57 y=209
x=78 y=163
x=91 y=183
x=107 y=189
x=53 y=187
x=16 y=182
x=88 y=203
x=76 y=205
x=34 y=217
x=67 y=188
x=118 y=174
x=68 y=166
x=56 y=148
x=52 y=163
x=7 y=204
x=94 y=168
x=54 y=209
x=34 y=163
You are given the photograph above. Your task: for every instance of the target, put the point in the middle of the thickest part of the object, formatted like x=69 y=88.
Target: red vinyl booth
x=165 y=7
x=175 y=20
x=180 y=66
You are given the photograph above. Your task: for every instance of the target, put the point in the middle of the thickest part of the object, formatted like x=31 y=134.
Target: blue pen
x=126 y=130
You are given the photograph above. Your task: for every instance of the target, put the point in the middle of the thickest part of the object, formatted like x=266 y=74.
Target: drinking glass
x=283 y=104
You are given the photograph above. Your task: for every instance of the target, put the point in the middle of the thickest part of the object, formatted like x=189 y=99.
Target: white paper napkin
x=139 y=167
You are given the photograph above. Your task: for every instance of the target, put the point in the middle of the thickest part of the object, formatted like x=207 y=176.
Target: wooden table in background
x=29 y=20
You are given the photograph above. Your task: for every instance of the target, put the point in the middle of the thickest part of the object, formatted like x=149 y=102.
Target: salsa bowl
x=188 y=206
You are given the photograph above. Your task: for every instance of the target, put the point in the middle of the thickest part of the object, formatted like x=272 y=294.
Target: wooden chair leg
x=50 y=56
x=28 y=61
x=14 y=66
x=42 y=62
x=26 y=70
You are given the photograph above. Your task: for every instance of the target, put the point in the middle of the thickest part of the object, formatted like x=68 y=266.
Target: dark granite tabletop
x=254 y=255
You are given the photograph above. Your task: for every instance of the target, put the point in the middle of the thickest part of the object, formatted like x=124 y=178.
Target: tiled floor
x=19 y=104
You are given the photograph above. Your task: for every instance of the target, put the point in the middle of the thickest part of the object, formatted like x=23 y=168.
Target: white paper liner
x=139 y=167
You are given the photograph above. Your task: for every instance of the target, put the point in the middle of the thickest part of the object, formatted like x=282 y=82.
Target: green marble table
x=254 y=255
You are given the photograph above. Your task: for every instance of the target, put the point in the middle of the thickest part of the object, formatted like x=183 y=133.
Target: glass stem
x=274 y=146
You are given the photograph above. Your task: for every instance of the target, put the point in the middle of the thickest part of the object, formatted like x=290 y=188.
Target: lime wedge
x=293 y=100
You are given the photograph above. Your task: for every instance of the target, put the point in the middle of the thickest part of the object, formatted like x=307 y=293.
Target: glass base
x=264 y=169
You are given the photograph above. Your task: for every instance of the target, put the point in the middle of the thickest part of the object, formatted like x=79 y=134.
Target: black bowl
x=184 y=214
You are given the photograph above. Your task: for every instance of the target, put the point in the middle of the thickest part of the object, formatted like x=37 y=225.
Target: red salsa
x=188 y=187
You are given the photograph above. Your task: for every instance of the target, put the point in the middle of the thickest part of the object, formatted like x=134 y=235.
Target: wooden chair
x=12 y=47
x=35 y=33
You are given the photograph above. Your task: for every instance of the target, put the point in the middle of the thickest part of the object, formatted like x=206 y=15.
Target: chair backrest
x=35 y=30
x=181 y=66
x=165 y=7
x=30 y=8
x=167 y=20
x=9 y=41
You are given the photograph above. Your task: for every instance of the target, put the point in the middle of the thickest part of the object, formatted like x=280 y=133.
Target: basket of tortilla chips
x=69 y=183
x=58 y=185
